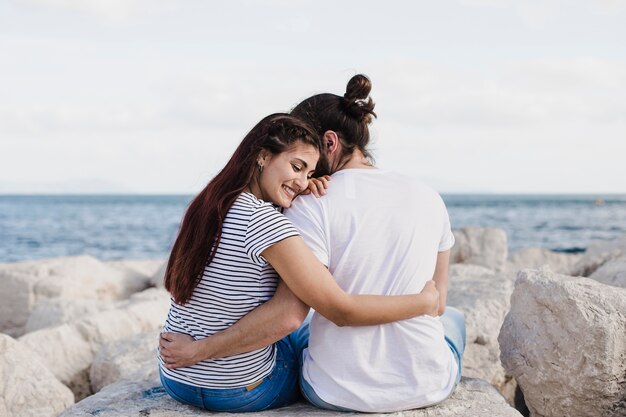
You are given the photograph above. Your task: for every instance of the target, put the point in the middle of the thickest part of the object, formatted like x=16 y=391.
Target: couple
x=242 y=275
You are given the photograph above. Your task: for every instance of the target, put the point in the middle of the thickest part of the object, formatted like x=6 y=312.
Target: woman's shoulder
x=247 y=201
x=249 y=205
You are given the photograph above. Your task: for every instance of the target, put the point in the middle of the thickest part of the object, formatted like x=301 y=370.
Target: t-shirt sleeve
x=447 y=237
x=306 y=214
x=266 y=228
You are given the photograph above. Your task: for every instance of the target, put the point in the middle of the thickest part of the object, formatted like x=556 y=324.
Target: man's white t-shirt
x=378 y=232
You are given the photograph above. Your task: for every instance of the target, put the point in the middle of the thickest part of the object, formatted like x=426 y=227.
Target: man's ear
x=331 y=140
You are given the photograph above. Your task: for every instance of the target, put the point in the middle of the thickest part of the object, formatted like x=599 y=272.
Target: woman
x=221 y=268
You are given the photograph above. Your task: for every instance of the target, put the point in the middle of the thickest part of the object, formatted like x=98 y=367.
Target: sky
x=153 y=96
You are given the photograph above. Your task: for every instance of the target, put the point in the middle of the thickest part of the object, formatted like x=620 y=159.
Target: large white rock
x=534 y=258
x=564 y=341
x=68 y=350
x=144 y=267
x=133 y=398
x=484 y=297
x=484 y=246
x=26 y=284
x=59 y=278
x=27 y=387
x=597 y=254
x=65 y=352
x=157 y=279
x=57 y=311
x=612 y=272
x=17 y=299
x=613 y=248
x=127 y=359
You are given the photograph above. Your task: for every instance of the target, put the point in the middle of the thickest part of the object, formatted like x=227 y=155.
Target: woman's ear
x=261 y=157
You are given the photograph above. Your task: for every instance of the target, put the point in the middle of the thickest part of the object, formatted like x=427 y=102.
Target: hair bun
x=356 y=99
x=358 y=88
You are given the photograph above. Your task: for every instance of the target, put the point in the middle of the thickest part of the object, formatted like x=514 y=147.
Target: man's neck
x=356 y=161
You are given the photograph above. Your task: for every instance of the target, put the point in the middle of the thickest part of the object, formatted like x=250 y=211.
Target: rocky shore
x=546 y=334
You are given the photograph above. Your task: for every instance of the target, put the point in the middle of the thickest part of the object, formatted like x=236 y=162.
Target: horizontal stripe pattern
x=237 y=281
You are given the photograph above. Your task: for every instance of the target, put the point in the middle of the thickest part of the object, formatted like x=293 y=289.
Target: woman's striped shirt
x=238 y=280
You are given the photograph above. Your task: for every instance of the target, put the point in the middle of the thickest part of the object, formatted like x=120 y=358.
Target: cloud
x=609 y=6
x=111 y=11
x=513 y=94
x=114 y=10
x=540 y=12
x=521 y=95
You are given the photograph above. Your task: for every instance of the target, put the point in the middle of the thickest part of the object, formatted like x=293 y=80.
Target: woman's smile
x=291 y=193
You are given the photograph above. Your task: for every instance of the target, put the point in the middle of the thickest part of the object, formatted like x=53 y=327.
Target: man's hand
x=178 y=350
x=430 y=297
x=317 y=186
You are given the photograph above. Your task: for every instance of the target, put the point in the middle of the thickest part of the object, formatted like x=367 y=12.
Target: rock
x=144 y=267
x=27 y=387
x=597 y=254
x=480 y=246
x=17 y=299
x=472 y=398
x=65 y=351
x=613 y=248
x=26 y=284
x=612 y=272
x=562 y=263
x=158 y=278
x=68 y=350
x=60 y=275
x=484 y=297
x=126 y=359
x=564 y=341
x=54 y=312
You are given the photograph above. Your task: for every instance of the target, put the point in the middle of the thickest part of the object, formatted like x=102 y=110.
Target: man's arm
x=441 y=279
x=264 y=325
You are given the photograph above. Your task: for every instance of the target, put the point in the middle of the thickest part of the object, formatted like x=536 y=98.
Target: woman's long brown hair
x=200 y=231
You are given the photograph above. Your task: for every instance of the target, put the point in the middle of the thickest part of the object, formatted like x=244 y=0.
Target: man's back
x=379 y=233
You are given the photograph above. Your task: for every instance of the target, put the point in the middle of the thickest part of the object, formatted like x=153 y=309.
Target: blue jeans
x=278 y=389
x=454 y=331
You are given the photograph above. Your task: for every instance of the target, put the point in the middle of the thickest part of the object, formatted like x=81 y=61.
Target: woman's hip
x=279 y=388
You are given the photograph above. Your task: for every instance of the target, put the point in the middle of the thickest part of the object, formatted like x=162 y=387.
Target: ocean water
x=563 y=223
x=138 y=227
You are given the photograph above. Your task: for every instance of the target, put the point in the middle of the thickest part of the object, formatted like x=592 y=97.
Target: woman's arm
x=266 y=324
x=284 y=312
x=311 y=282
x=306 y=280
x=441 y=279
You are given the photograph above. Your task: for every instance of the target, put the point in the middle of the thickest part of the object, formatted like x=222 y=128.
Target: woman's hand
x=317 y=186
x=430 y=298
x=178 y=350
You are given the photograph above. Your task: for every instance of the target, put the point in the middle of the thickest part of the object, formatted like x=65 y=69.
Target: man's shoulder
x=410 y=183
x=304 y=204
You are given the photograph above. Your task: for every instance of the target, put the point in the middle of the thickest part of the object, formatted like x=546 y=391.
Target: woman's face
x=286 y=174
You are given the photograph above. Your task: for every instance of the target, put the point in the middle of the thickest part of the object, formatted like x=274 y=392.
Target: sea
x=113 y=227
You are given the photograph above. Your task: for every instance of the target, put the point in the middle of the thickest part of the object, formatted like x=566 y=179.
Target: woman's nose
x=302 y=182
